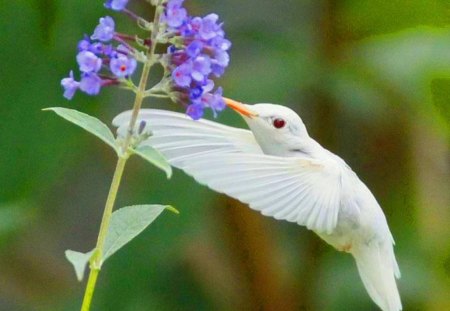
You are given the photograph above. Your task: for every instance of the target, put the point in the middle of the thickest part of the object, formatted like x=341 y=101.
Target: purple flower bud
x=214 y=101
x=209 y=27
x=171 y=49
x=220 y=62
x=194 y=49
x=84 y=44
x=116 y=5
x=217 y=70
x=195 y=25
x=88 y=61
x=141 y=127
x=70 y=86
x=195 y=93
x=217 y=103
x=182 y=75
x=221 y=43
x=201 y=68
x=96 y=48
x=171 y=4
x=104 y=30
x=108 y=49
x=208 y=85
x=195 y=111
x=91 y=83
x=123 y=49
x=122 y=66
x=221 y=58
x=175 y=15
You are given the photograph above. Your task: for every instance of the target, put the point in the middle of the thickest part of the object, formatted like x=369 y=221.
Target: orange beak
x=239 y=107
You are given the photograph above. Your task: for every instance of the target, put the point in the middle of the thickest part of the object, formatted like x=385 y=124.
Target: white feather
x=377 y=272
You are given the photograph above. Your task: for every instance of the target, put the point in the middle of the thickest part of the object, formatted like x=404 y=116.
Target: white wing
x=183 y=136
x=230 y=161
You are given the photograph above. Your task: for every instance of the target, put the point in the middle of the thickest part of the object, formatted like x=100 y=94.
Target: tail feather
x=378 y=268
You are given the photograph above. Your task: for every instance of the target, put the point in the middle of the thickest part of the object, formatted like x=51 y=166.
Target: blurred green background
x=371 y=80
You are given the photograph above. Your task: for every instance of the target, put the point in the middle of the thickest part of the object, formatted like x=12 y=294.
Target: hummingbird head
x=278 y=129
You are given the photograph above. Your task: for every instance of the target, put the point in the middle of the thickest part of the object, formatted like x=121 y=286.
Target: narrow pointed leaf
x=79 y=261
x=87 y=122
x=154 y=157
x=127 y=223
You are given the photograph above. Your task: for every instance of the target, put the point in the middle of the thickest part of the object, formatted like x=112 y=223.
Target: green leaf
x=89 y=123
x=79 y=261
x=154 y=157
x=127 y=223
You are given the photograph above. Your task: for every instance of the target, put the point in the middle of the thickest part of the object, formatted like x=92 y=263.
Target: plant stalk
x=96 y=260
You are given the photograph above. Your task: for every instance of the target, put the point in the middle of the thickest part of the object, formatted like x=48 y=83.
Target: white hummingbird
x=277 y=169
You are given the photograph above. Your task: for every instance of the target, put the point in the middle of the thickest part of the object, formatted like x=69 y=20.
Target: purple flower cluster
x=94 y=53
x=116 y=5
x=198 y=52
x=203 y=54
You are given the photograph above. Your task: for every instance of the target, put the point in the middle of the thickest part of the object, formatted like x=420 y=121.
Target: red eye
x=279 y=123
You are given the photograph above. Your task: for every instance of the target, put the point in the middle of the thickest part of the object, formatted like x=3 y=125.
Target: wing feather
x=230 y=161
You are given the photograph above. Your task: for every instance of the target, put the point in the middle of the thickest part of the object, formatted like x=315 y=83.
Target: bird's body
x=280 y=171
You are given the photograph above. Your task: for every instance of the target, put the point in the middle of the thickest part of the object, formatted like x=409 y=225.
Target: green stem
x=157 y=95
x=140 y=94
x=90 y=287
x=96 y=260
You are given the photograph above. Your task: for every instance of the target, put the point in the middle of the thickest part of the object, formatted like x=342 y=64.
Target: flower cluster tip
x=202 y=54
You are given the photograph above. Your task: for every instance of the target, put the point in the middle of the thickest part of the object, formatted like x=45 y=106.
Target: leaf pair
x=99 y=129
